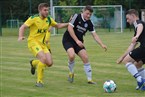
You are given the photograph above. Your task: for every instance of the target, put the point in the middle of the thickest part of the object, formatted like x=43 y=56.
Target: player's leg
x=49 y=61
x=129 y=63
x=71 y=58
x=45 y=60
x=40 y=68
x=140 y=68
x=37 y=50
x=68 y=46
x=47 y=50
x=87 y=67
x=71 y=63
x=33 y=64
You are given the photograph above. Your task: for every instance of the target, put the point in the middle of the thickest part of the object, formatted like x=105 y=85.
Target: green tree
x=20 y=9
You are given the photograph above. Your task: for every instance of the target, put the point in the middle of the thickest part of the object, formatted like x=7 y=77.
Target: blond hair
x=41 y=5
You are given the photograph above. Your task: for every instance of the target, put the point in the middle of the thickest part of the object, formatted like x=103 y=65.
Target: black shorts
x=138 y=54
x=73 y=45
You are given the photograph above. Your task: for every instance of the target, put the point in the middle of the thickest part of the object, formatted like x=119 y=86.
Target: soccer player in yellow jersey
x=39 y=25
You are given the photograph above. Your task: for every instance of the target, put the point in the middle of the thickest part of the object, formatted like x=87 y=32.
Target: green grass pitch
x=16 y=80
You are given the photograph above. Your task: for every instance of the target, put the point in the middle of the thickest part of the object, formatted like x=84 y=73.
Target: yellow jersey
x=39 y=27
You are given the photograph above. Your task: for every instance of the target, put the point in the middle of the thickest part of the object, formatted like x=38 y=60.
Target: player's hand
x=120 y=60
x=80 y=44
x=21 y=38
x=134 y=39
x=104 y=47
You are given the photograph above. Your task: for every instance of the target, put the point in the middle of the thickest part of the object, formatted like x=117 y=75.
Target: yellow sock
x=40 y=71
x=35 y=62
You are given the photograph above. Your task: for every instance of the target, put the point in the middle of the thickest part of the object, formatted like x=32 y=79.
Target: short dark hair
x=132 y=11
x=88 y=7
x=42 y=5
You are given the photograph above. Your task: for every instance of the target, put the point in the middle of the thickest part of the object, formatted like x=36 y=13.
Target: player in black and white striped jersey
x=73 y=41
x=135 y=56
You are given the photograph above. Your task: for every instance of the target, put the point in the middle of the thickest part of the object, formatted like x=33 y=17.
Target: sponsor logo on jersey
x=41 y=30
x=37 y=49
x=81 y=29
x=85 y=25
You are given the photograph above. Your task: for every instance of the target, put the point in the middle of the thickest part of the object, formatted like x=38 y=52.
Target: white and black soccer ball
x=109 y=86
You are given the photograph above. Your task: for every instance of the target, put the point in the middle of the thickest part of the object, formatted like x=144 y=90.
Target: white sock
x=88 y=71
x=141 y=71
x=133 y=70
x=71 y=66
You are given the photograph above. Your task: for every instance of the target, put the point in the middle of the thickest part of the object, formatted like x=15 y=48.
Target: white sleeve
x=73 y=20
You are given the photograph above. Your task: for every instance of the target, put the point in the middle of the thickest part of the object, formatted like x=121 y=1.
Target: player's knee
x=43 y=59
x=138 y=64
x=49 y=63
x=85 y=57
x=71 y=57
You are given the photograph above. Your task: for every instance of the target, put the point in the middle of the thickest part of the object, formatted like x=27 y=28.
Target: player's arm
x=139 y=31
x=72 y=34
x=58 y=25
x=21 y=32
x=130 y=48
x=61 y=25
x=27 y=24
x=98 y=40
x=133 y=43
x=73 y=21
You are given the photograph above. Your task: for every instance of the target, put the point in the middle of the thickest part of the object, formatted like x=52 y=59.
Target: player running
x=73 y=41
x=133 y=54
x=39 y=26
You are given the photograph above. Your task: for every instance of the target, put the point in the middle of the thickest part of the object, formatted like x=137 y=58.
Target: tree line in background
x=22 y=9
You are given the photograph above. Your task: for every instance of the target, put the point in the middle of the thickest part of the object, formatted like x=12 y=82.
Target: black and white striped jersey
x=141 y=38
x=80 y=26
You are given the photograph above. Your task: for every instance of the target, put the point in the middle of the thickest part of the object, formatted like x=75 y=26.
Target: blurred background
x=110 y=16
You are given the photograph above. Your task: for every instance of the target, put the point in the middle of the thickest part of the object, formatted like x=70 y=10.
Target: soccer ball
x=109 y=86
